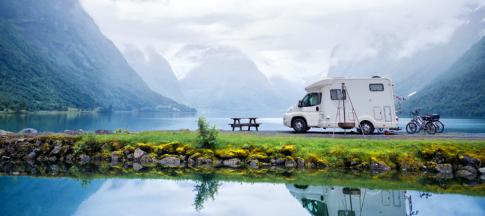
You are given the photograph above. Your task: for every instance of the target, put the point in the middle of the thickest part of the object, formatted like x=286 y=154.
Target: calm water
x=64 y=196
x=167 y=121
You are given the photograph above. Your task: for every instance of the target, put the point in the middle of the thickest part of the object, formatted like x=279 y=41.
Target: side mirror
x=300 y=103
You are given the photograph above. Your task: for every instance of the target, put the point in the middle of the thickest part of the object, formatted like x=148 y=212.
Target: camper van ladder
x=345 y=125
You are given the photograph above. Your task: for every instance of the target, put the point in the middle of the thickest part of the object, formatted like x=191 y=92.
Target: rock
x=170 y=161
x=30 y=156
x=145 y=159
x=233 y=162
x=482 y=170
x=69 y=158
x=289 y=163
x=2 y=152
x=468 y=172
x=300 y=163
x=57 y=149
x=5 y=158
x=253 y=163
x=444 y=168
x=115 y=156
x=203 y=162
x=74 y=132
x=277 y=161
x=137 y=166
x=28 y=131
x=138 y=154
x=84 y=159
x=102 y=131
x=376 y=166
x=52 y=159
x=5 y=133
x=469 y=161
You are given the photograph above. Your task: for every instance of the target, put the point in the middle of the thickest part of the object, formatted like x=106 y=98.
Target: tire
x=411 y=128
x=430 y=128
x=440 y=127
x=366 y=127
x=299 y=125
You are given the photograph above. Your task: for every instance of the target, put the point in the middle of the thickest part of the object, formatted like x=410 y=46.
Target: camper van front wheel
x=299 y=125
x=366 y=127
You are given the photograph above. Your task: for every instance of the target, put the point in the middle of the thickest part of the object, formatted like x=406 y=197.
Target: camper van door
x=310 y=105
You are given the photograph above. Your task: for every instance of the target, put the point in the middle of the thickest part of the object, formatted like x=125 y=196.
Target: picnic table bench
x=252 y=123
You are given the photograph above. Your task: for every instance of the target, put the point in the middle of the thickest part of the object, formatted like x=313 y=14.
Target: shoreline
x=178 y=149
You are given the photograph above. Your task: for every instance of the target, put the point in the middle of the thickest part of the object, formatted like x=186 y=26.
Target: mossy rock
x=232 y=153
x=260 y=156
x=288 y=150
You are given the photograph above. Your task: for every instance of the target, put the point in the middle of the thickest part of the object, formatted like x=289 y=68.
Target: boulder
x=468 y=172
x=28 y=131
x=170 y=161
x=102 y=131
x=377 y=166
x=470 y=161
x=138 y=154
x=233 y=162
x=57 y=149
x=137 y=166
x=84 y=159
x=30 y=156
x=203 y=162
x=253 y=163
x=300 y=163
x=74 y=132
x=277 y=161
x=444 y=168
x=290 y=163
x=482 y=170
x=115 y=156
x=5 y=133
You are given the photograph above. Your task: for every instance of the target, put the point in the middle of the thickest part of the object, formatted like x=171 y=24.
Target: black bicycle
x=429 y=123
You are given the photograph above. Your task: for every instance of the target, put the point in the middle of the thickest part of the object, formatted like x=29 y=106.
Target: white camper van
x=362 y=103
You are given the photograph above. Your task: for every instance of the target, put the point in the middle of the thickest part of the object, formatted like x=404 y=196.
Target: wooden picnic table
x=252 y=123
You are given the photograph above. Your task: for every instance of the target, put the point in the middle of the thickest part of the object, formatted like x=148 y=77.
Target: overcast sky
x=296 y=39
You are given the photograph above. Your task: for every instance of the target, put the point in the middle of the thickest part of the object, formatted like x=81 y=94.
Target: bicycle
x=419 y=123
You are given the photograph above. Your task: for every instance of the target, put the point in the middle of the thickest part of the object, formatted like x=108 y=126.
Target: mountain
x=412 y=73
x=54 y=57
x=225 y=79
x=155 y=71
x=460 y=92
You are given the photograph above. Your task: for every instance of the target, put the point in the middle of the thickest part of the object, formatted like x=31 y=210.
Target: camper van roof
x=328 y=81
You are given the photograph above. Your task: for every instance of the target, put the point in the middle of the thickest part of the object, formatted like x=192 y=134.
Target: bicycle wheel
x=430 y=128
x=411 y=127
x=440 y=127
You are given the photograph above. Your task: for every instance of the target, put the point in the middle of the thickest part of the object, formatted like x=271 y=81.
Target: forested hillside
x=54 y=57
x=460 y=92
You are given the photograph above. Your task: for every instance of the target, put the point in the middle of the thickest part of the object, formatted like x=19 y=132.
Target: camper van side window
x=376 y=87
x=336 y=94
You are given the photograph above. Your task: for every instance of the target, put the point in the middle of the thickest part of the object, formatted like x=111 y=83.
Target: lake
x=118 y=196
x=136 y=121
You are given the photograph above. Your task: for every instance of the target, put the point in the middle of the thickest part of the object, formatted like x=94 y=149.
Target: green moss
x=288 y=150
x=232 y=153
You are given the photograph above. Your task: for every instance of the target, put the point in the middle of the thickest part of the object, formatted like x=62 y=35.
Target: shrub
x=207 y=137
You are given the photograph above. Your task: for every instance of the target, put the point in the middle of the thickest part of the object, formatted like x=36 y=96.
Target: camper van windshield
x=312 y=99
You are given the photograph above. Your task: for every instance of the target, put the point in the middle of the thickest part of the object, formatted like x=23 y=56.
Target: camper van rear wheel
x=299 y=125
x=366 y=128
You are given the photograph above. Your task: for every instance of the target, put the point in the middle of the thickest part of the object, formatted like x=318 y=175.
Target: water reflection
x=207 y=196
x=345 y=201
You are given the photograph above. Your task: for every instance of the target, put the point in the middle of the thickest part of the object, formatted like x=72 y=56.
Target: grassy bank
x=333 y=152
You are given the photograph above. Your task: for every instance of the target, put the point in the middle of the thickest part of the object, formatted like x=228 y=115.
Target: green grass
x=335 y=151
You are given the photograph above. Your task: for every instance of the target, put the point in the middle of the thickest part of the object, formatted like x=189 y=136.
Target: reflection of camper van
x=342 y=201
x=362 y=103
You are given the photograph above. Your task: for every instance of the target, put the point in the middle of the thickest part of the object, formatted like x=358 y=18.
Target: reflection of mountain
x=43 y=196
x=155 y=71
x=336 y=200
x=412 y=73
x=226 y=79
